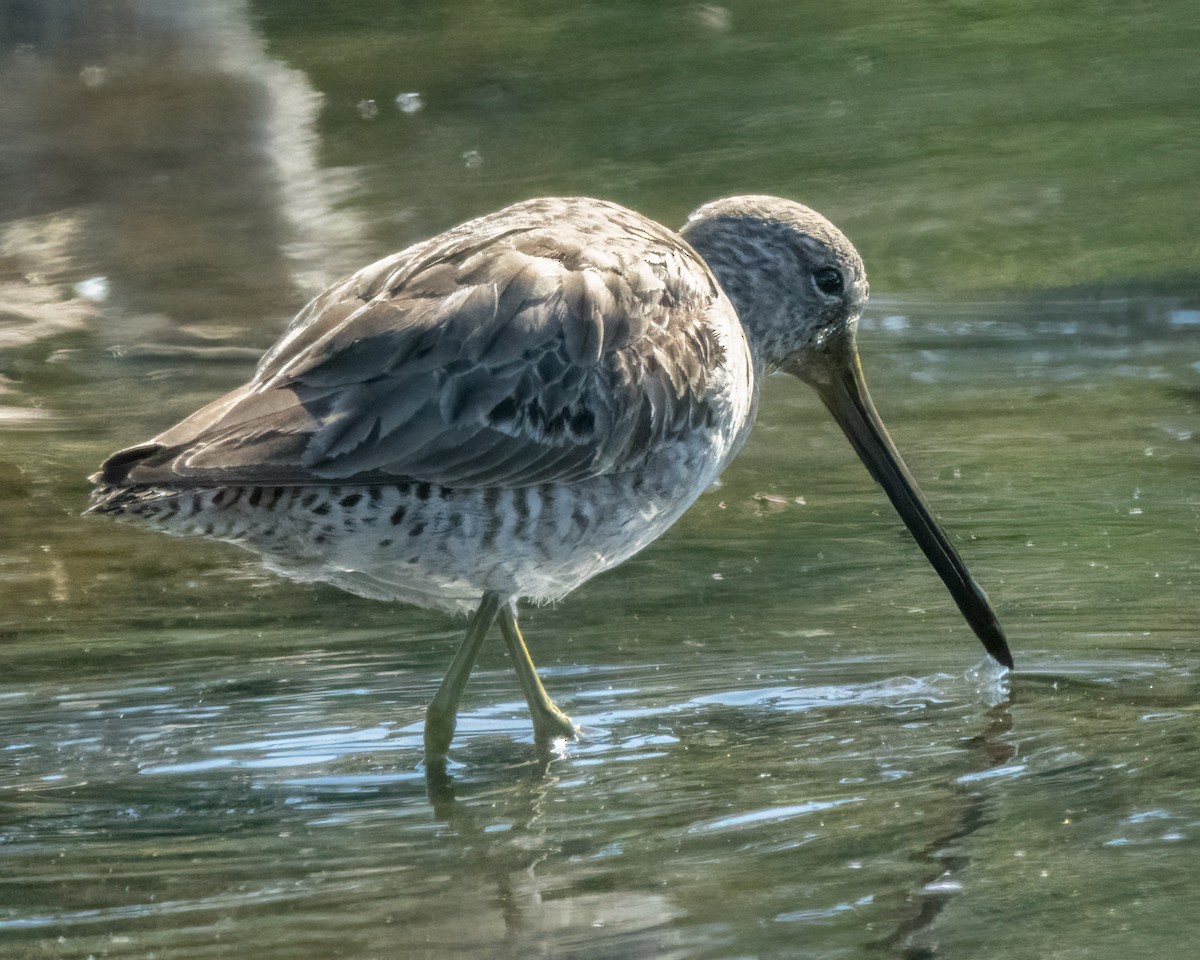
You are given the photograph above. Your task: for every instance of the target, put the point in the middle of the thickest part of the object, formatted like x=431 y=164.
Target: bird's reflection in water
x=947 y=856
x=512 y=836
x=505 y=840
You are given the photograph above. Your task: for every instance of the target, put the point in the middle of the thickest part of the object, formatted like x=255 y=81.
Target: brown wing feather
x=552 y=341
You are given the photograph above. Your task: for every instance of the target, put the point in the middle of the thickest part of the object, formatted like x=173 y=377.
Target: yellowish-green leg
x=442 y=714
x=548 y=721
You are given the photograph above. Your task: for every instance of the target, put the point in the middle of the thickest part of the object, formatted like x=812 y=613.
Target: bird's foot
x=550 y=723
x=439 y=731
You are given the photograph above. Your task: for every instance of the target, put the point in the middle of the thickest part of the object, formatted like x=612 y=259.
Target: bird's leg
x=442 y=714
x=548 y=721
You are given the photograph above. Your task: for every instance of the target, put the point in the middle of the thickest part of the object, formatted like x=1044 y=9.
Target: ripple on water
x=771 y=815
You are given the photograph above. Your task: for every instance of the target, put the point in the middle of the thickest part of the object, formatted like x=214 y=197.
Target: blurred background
x=790 y=747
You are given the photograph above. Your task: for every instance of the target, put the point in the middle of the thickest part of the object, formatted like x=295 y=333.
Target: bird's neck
x=749 y=274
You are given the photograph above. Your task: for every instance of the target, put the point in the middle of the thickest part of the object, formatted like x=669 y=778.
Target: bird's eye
x=828 y=280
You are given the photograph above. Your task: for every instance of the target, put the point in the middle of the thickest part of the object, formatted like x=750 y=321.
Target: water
x=790 y=747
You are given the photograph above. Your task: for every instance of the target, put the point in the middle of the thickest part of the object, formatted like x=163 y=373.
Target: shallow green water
x=789 y=746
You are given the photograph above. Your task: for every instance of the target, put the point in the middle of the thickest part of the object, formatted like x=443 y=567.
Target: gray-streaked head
x=798 y=286
x=797 y=283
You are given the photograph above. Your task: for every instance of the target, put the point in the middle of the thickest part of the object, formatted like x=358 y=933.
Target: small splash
x=472 y=159
x=367 y=109
x=1135 y=510
x=93 y=289
x=410 y=102
x=990 y=680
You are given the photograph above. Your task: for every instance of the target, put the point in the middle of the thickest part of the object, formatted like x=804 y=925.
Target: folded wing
x=553 y=341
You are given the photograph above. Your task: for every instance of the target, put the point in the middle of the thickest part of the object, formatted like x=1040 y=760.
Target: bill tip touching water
x=509 y=408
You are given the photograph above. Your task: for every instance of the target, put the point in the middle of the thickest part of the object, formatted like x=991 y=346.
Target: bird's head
x=798 y=286
x=797 y=283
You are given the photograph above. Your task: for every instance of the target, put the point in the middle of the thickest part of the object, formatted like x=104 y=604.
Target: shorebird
x=508 y=409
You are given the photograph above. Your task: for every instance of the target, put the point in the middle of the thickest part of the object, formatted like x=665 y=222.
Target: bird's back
x=554 y=340
x=562 y=359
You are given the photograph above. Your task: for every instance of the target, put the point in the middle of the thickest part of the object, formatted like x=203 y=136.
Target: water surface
x=790 y=744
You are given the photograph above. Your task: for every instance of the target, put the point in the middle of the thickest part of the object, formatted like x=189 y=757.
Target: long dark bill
x=844 y=392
